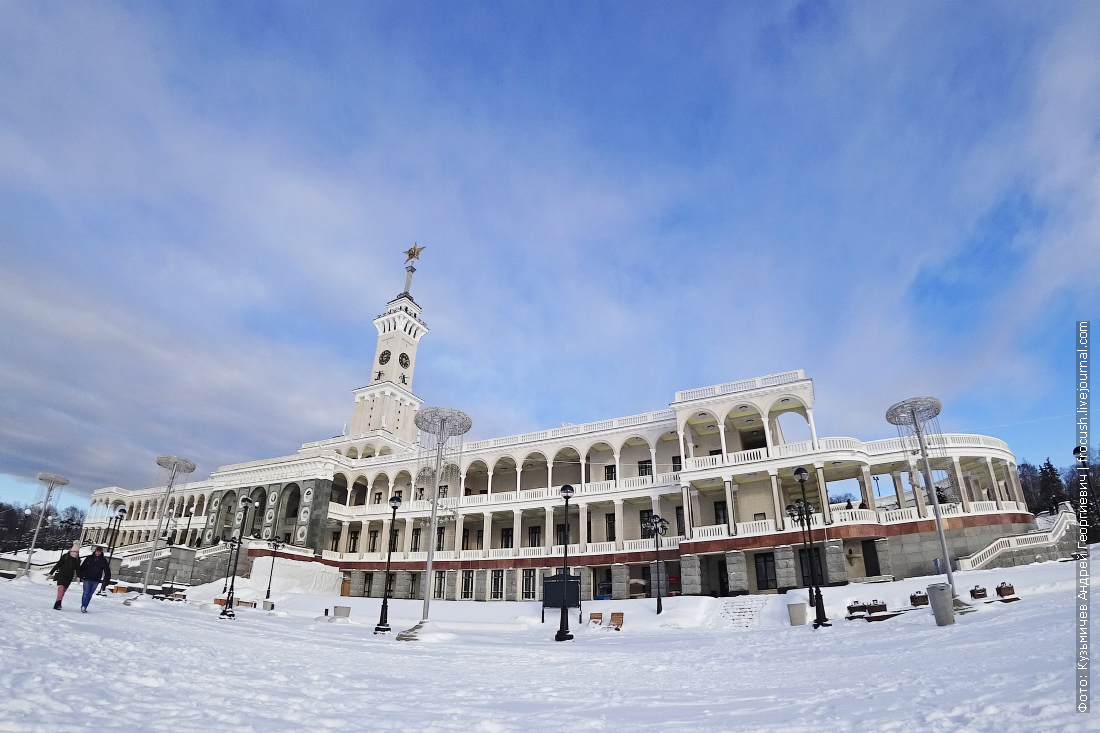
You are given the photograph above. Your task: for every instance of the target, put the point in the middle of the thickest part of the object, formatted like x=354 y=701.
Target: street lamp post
x=187 y=532
x=175 y=466
x=228 y=611
x=805 y=510
x=52 y=480
x=275 y=545
x=383 y=626
x=563 y=628
x=658 y=526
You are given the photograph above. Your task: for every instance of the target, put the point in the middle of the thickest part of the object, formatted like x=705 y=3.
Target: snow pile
x=495 y=667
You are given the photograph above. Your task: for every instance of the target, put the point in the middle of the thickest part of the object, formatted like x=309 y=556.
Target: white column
x=687 y=511
x=582 y=526
x=728 y=481
x=767 y=439
x=813 y=428
x=582 y=460
x=865 y=485
x=776 y=502
x=993 y=478
x=409 y=524
x=462 y=483
x=1014 y=476
x=345 y=530
x=550 y=472
x=490 y=483
x=683 y=450
x=957 y=474
x=655 y=504
x=385 y=537
x=459 y=521
x=517 y=529
x=548 y=539
x=618 y=472
x=519 y=476
x=899 y=489
x=652 y=465
x=823 y=493
x=619 y=524
x=487 y=534
x=722 y=438
x=918 y=491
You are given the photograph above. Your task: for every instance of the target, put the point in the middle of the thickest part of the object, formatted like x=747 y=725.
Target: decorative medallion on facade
x=384 y=358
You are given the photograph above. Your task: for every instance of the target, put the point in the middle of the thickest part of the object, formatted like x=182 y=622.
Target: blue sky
x=203 y=205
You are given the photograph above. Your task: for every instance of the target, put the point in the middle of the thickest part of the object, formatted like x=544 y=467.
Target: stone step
x=740 y=612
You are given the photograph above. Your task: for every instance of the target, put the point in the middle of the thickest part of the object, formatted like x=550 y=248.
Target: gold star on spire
x=413 y=253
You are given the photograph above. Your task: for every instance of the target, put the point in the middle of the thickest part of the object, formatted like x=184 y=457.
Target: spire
x=413 y=253
x=409 y=270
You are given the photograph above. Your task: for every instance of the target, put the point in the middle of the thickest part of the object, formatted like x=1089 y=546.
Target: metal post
x=441 y=440
x=51 y=480
x=935 y=502
x=563 y=628
x=657 y=567
x=175 y=466
x=383 y=626
x=228 y=611
x=275 y=544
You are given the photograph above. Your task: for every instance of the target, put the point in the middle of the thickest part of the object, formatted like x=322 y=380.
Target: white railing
x=854 y=516
x=445 y=555
x=416 y=556
x=504 y=496
x=637 y=545
x=573 y=550
x=635 y=482
x=1054 y=534
x=743 y=386
x=531 y=552
x=331 y=555
x=668 y=478
x=533 y=494
x=212 y=550
x=1009 y=506
x=828 y=444
x=898 y=515
x=671 y=542
x=474 y=499
x=704 y=462
x=793 y=449
x=501 y=552
x=747 y=456
x=712 y=531
x=760 y=526
x=472 y=554
x=601 y=547
x=599 y=487
x=983 y=506
x=567 y=430
x=950 y=510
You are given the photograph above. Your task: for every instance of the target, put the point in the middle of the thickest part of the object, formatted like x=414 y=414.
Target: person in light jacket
x=66 y=568
x=93 y=570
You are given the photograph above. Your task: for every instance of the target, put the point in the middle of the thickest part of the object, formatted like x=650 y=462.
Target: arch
x=745 y=428
x=702 y=436
x=379 y=489
x=477 y=478
x=384 y=451
x=257 y=511
x=227 y=510
x=635 y=457
x=367 y=451
x=286 y=518
x=535 y=471
x=338 y=494
x=567 y=466
x=401 y=482
x=598 y=456
x=779 y=412
x=200 y=506
x=352 y=453
x=357 y=495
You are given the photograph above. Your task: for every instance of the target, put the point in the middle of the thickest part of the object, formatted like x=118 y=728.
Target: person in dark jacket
x=93 y=570
x=63 y=572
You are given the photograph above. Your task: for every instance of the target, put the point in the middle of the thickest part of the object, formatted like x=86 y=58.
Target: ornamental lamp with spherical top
x=801 y=474
x=395 y=501
x=567 y=492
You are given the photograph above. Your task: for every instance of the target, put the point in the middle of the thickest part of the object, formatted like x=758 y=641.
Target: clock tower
x=387 y=404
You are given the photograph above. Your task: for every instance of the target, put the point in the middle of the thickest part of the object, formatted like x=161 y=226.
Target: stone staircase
x=739 y=612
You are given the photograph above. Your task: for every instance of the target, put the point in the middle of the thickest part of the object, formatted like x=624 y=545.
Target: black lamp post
x=658 y=526
x=275 y=545
x=187 y=532
x=228 y=611
x=383 y=626
x=804 y=511
x=563 y=629
x=23 y=526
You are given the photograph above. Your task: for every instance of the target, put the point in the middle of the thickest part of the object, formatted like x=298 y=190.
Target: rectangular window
x=676 y=464
x=390 y=579
x=397 y=495
x=588 y=529
x=681 y=528
x=467 y=584
x=335 y=541
x=497 y=588
x=644 y=516
x=370 y=584
x=609 y=524
x=415 y=546
x=759 y=516
x=765 y=571
x=440 y=538
x=563 y=538
x=534 y=536
x=480 y=539
x=393 y=539
x=353 y=541
x=414 y=590
x=506 y=537
x=529 y=584
x=378 y=497
x=443 y=491
x=721 y=516
x=716 y=452
x=465 y=539
x=608 y=473
x=440 y=583
x=645 y=468
x=372 y=541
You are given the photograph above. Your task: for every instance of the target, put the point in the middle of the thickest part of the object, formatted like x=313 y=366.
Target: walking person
x=93 y=570
x=67 y=566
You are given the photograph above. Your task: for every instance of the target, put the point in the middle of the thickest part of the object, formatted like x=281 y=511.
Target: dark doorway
x=765 y=571
x=870 y=558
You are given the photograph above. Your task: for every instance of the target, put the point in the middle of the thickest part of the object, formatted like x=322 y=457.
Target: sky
x=204 y=205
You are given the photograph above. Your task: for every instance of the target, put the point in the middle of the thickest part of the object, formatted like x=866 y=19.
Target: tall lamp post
x=383 y=626
x=275 y=545
x=228 y=611
x=563 y=628
x=658 y=526
x=803 y=510
x=187 y=532
x=52 y=481
x=175 y=466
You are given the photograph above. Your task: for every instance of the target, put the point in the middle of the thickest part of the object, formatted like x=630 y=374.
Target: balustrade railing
x=504 y=496
x=501 y=552
x=635 y=482
x=983 y=506
x=531 y=551
x=601 y=547
x=854 y=516
x=636 y=545
x=898 y=515
x=712 y=531
x=747 y=456
x=472 y=554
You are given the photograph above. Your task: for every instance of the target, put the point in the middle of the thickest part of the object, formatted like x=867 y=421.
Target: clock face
x=403 y=360
x=384 y=357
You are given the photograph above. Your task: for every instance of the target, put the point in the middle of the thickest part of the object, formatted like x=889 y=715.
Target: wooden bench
x=246 y=604
x=595 y=619
x=1004 y=590
x=616 y=622
x=918 y=599
x=120 y=589
x=219 y=601
x=978 y=592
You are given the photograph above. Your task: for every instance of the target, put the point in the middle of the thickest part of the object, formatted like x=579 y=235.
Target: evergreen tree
x=1029 y=482
x=1051 y=489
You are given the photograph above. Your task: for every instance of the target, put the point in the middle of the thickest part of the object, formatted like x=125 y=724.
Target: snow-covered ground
x=494 y=667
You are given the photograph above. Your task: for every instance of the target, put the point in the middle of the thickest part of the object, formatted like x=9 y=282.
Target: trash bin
x=798 y=613
x=269 y=605
x=942 y=601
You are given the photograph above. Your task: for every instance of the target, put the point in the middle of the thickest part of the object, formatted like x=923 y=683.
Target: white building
x=714 y=463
